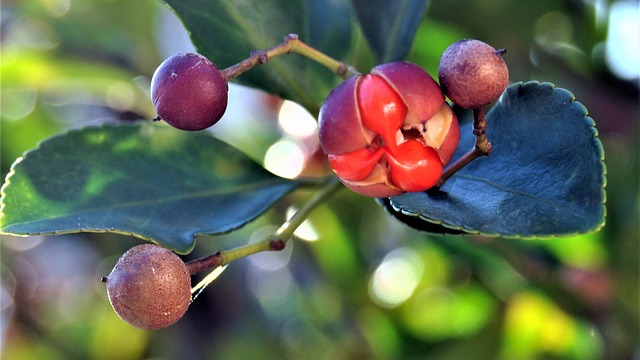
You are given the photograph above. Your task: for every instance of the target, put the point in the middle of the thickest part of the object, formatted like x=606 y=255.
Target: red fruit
x=381 y=109
x=189 y=92
x=149 y=287
x=388 y=132
x=366 y=159
x=415 y=167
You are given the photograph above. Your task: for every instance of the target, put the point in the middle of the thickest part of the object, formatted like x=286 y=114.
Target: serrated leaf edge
x=12 y=172
x=24 y=155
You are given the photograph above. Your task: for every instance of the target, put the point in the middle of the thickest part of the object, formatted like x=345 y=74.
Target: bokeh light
x=444 y=312
x=270 y=260
x=623 y=40
x=395 y=279
x=21 y=243
x=17 y=102
x=120 y=96
x=272 y=288
x=306 y=231
x=285 y=158
x=57 y=8
x=295 y=120
x=535 y=326
x=7 y=292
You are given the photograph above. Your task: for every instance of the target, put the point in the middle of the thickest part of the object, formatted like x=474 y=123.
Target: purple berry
x=189 y=92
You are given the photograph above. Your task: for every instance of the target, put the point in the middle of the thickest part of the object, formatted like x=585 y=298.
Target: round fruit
x=189 y=92
x=472 y=73
x=149 y=287
x=388 y=132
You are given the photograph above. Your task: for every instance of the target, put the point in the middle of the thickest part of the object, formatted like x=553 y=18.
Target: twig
x=290 y=44
x=481 y=147
x=272 y=242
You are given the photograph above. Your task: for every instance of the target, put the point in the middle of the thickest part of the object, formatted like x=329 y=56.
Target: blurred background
x=357 y=284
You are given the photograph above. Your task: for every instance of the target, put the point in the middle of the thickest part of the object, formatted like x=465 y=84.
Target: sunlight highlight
x=306 y=231
x=285 y=158
x=396 y=278
x=296 y=121
x=623 y=40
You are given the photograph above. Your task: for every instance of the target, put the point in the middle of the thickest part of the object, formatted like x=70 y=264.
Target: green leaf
x=545 y=176
x=228 y=31
x=390 y=25
x=145 y=180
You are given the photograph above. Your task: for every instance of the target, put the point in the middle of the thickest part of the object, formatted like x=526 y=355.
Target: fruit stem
x=480 y=131
x=272 y=242
x=290 y=44
x=481 y=147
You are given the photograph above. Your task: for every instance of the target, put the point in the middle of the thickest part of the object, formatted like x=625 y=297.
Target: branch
x=290 y=44
x=272 y=242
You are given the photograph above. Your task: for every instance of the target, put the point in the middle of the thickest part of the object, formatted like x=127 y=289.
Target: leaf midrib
x=507 y=190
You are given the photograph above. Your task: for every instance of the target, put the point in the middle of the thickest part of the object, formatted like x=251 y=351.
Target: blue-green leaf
x=146 y=180
x=545 y=176
x=390 y=25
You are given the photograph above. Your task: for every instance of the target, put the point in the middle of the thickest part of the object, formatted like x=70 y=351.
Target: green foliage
x=545 y=175
x=227 y=32
x=38 y=89
x=390 y=25
x=492 y=298
x=145 y=180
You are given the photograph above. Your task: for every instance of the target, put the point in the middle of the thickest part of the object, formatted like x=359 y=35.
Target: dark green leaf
x=228 y=31
x=545 y=176
x=150 y=181
x=390 y=25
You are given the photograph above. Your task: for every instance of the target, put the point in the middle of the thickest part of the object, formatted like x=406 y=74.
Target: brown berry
x=472 y=73
x=149 y=287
